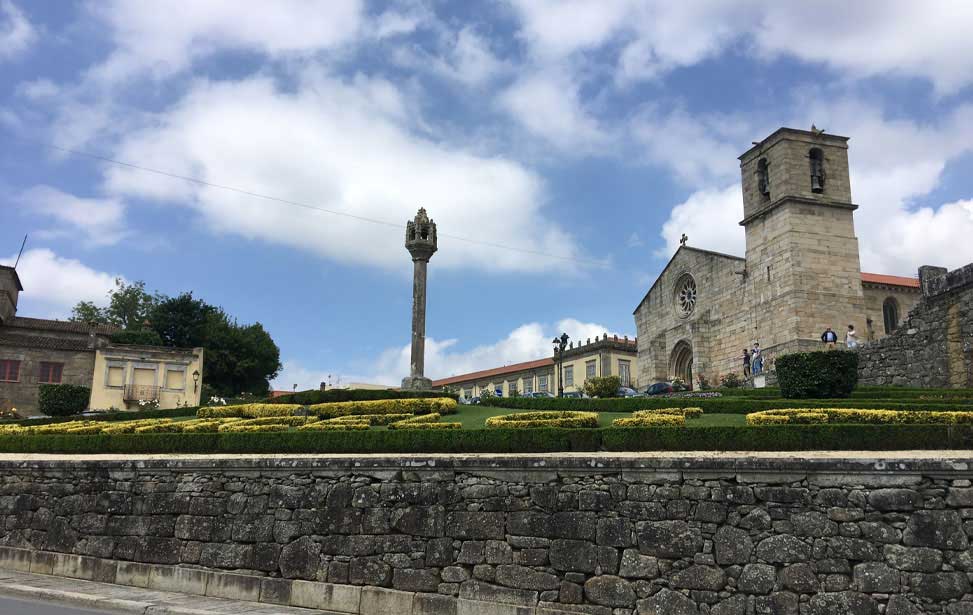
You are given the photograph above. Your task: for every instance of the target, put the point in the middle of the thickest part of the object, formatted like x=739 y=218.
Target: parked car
x=465 y=400
x=573 y=395
x=627 y=392
x=541 y=394
x=659 y=388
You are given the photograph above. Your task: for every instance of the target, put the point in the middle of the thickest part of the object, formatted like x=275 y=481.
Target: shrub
x=441 y=405
x=251 y=411
x=143 y=337
x=524 y=420
x=859 y=416
x=487 y=396
x=246 y=427
x=731 y=381
x=424 y=421
x=309 y=398
x=605 y=386
x=651 y=420
x=63 y=399
x=828 y=374
x=335 y=425
x=689 y=413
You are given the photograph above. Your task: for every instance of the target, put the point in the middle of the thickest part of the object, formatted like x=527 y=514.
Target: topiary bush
x=602 y=387
x=828 y=374
x=531 y=420
x=63 y=399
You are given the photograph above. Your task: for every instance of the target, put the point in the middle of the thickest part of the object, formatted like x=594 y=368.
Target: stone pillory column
x=420 y=241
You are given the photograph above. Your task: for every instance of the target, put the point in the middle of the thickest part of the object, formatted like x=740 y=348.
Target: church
x=800 y=274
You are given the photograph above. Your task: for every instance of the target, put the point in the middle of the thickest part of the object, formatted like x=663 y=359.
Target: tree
x=239 y=359
x=182 y=321
x=129 y=307
x=605 y=386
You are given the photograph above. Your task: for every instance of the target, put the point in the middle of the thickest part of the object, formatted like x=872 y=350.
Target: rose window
x=686 y=295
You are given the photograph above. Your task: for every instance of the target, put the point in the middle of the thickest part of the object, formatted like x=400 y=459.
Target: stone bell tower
x=420 y=241
x=803 y=272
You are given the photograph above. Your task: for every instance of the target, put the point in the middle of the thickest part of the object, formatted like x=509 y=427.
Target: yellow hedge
x=651 y=420
x=334 y=426
x=372 y=419
x=245 y=427
x=689 y=413
x=858 y=416
x=424 y=421
x=426 y=405
x=250 y=411
x=526 y=420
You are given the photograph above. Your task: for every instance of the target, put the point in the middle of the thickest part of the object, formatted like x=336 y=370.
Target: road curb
x=77 y=599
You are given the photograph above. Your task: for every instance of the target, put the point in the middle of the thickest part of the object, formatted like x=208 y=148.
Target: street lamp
x=560 y=343
x=195 y=380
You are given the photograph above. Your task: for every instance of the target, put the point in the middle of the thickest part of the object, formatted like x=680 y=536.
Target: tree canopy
x=237 y=358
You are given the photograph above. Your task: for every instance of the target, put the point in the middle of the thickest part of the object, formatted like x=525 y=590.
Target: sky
x=562 y=147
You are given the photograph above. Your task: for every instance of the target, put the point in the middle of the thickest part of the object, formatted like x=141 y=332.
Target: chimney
x=10 y=289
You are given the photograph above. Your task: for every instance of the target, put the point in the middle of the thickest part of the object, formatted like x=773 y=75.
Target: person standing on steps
x=830 y=338
x=851 y=338
x=756 y=359
x=746 y=364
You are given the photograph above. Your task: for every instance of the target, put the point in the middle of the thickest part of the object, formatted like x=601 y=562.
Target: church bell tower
x=803 y=272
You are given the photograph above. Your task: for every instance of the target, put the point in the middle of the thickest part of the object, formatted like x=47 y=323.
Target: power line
x=266 y=197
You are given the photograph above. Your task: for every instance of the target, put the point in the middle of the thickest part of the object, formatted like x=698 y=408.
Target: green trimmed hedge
x=63 y=399
x=309 y=398
x=717 y=405
x=768 y=438
x=142 y=337
x=817 y=375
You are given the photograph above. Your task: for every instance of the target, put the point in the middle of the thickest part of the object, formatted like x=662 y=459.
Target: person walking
x=746 y=364
x=851 y=338
x=757 y=359
x=830 y=338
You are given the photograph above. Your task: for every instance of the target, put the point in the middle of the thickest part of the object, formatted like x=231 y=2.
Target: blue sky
x=593 y=132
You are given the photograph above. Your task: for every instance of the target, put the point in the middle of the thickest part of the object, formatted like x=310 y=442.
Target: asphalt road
x=19 y=607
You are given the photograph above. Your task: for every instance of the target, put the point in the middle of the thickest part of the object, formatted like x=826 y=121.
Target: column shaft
x=418 y=317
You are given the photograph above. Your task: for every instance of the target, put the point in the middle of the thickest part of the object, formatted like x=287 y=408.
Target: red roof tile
x=889 y=280
x=497 y=371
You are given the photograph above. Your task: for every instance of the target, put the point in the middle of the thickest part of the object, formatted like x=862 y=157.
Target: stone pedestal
x=416 y=383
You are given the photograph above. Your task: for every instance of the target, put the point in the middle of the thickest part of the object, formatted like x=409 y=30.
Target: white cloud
x=348 y=146
x=148 y=44
x=548 y=105
x=710 y=219
x=99 y=221
x=527 y=342
x=464 y=57
x=16 y=32
x=634 y=241
x=53 y=284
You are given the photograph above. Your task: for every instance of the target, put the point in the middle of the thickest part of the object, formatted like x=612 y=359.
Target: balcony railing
x=135 y=392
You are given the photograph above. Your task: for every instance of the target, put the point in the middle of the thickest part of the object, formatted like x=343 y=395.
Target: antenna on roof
x=19 y=254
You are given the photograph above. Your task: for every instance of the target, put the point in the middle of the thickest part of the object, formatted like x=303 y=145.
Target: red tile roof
x=496 y=371
x=889 y=280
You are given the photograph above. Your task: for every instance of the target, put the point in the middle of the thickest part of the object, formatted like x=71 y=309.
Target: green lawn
x=474 y=417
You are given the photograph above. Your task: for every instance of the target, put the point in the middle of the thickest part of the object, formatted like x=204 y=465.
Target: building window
x=589 y=369
x=685 y=295
x=9 y=370
x=528 y=385
x=511 y=388
x=816 y=158
x=624 y=371
x=50 y=373
x=763 y=178
x=542 y=383
x=467 y=393
x=569 y=376
x=890 y=312
x=143 y=376
x=176 y=378
x=115 y=377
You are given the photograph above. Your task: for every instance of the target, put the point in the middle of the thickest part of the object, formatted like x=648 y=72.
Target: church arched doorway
x=681 y=362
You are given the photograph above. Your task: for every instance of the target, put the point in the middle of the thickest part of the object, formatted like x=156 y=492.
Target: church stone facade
x=801 y=272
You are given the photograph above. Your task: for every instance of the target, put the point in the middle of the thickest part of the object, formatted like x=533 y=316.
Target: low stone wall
x=934 y=346
x=524 y=535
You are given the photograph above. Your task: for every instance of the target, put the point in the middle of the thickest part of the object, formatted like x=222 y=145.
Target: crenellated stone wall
x=602 y=534
x=934 y=345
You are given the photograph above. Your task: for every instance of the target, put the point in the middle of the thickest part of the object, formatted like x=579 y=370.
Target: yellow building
x=126 y=375
x=602 y=357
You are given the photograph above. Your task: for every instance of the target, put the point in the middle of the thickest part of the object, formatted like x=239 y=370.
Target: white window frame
x=590 y=369
x=528 y=385
x=568 y=373
x=627 y=379
x=542 y=383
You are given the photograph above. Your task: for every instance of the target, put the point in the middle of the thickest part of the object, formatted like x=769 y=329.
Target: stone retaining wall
x=933 y=347
x=524 y=535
